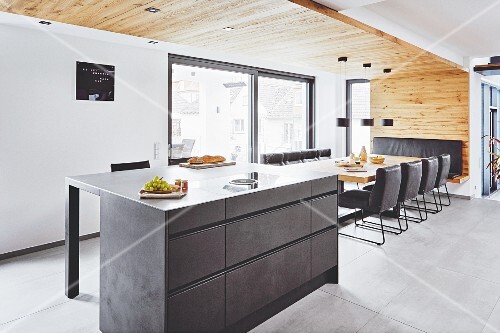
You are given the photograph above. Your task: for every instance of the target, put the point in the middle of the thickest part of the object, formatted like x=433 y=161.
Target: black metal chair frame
x=447 y=195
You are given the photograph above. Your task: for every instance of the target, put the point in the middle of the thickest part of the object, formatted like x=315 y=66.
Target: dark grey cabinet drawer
x=259 y=283
x=324 y=212
x=257 y=201
x=193 y=257
x=256 y=235
x=196 y=216
x=324 y=252
x=324 y=185
x=201 y=309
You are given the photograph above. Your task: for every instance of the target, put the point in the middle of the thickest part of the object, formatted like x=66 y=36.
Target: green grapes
x=157 y=184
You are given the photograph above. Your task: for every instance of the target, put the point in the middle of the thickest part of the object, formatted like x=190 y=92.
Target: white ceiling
x=467 y=27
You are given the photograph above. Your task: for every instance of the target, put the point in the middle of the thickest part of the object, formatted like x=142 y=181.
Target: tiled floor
x=441 y=276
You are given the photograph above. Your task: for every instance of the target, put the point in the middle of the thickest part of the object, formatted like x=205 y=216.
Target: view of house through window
x=360 y=109
x=211 y=107
x=282 y=115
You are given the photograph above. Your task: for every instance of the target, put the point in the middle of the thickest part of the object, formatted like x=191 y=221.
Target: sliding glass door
x=282 y=115
x=236 y=111
x=211 y=112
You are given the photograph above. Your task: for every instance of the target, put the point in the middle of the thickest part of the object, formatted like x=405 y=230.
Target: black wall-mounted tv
x=95 y=82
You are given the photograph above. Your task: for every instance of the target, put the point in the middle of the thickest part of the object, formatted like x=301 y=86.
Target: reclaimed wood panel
x=426 y=105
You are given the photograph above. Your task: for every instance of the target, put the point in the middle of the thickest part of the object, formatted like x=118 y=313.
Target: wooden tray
x=205 y=165
x=172 y=195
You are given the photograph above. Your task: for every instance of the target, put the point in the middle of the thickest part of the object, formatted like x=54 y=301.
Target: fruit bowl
x=377 y=159
x=159 y=186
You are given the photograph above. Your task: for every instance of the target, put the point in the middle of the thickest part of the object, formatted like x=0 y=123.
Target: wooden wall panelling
x=427 y=105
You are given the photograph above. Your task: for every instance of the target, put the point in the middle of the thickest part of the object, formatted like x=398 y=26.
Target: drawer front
x=324 y=212
x=324 y=252
x=324 y=185
x=193 y=257
x=253 y=202
x=201 y=309
x=257 y=284
x=256 y=235
x=196 y=216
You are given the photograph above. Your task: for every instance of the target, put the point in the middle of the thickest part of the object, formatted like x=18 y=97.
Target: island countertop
x=205 y=185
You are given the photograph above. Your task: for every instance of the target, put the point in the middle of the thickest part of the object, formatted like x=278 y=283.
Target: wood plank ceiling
x=295 y=32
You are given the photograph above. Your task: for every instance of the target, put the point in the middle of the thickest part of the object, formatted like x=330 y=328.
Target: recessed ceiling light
x=367 y=65
x=45 y=22
x=387 y=70
x=152 y=10
x=342 y=59
x=153 y=42
x=228 y=29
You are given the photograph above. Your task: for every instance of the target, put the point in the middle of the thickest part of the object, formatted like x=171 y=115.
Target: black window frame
x=348 y=112
x=255 y=73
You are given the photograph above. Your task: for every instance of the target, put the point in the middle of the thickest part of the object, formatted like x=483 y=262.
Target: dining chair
x=381 y=198
x=130 y=166
x=411 y=177
x=292 y=157
x=429 y=175
x=444 y=162
x=325 y=154
x=272 y=159
x=310 y=155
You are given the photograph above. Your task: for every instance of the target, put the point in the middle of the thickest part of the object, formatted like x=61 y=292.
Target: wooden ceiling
x=295 y=32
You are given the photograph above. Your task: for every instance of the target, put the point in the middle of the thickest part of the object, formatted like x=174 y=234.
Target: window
x=358 y=107
x=238 y=125
x=215 y=104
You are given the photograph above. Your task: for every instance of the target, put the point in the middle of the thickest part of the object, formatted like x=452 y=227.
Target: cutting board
x=206 y=165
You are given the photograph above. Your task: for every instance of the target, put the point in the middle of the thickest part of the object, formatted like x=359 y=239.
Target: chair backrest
x=325 y=154
x=411 y=175
x=444 y=163
x=292 y=157
x=130 y=166
x=385 y=192
x=272 y=159
x=429 y=174
x=310 y=155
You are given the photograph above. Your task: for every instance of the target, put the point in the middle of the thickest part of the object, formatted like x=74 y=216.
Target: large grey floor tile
x=318 y=312
x=445 y=301
x=372 y=280
x=350 y=250
x=80 y=315
x=381 y=324
x=493 y=324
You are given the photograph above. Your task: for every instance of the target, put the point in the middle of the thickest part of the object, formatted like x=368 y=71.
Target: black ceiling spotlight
x=343 y=122
x=45 y=22
x=367 y=122
x=342 y=59
x=387 y=70
x=152 y=10
x=387 y=122
x=367 y=65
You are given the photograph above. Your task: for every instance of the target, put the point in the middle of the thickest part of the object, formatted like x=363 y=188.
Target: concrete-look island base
x=225 y=258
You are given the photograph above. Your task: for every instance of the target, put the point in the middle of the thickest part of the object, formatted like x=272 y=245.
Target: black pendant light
x=367 y=122
x=387 y=122
x=343 y=122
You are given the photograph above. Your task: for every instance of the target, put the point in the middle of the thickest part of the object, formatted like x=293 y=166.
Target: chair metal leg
x=447 y=195
x=415 y=219
x=374 y=226
x=364 y=239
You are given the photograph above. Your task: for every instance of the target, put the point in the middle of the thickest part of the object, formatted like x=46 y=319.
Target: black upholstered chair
x=429 y=175
x=444 y=163
x=382 y=197
x=272 y=159
x=310 y=155
x=325 y=154
x=130 y=166
x=292 y=157
x=411 y=176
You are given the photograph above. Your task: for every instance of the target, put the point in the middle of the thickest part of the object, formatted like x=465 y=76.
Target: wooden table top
x=329 y=166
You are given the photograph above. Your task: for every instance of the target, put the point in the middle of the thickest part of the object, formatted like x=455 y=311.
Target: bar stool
x=130 y=166
x=310 y=155
x=292 y=157
x=325 y=154
x=272 y=159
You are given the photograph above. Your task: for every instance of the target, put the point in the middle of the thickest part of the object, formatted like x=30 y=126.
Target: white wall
x=45 y=134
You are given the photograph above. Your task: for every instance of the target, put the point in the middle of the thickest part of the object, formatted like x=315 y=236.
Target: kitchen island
x=223 y=258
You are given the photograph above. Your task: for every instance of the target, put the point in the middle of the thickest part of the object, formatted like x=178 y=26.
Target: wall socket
x=156 y=150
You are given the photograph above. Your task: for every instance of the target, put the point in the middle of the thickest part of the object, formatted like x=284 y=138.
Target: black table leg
x=72 y=249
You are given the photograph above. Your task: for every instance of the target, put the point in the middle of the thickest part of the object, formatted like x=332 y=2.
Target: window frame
x=348 y=111
x=255 y=73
